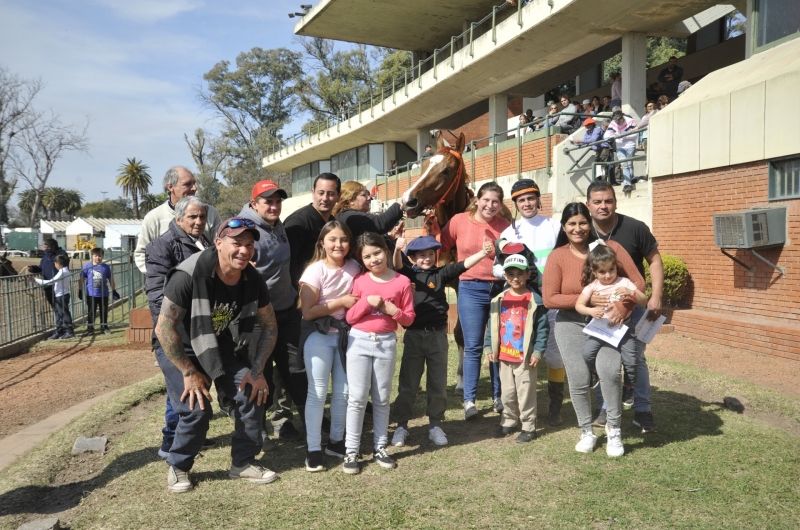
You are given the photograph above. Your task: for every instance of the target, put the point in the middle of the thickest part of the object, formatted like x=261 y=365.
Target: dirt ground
x=79 y=371
x=40 y=383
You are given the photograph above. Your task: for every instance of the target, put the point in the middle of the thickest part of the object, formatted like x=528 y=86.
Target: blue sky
x=131 y=67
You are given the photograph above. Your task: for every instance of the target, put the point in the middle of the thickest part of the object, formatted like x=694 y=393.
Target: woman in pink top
x=384 y=300
x=469 y=232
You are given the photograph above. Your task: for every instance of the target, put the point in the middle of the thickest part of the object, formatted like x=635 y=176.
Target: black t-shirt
x=227 y=304
x=430 y=300
x=635 y=238
x=302 y=229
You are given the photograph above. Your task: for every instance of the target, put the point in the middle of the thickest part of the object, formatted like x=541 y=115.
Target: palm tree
x=135 y=181
x=150 y=201
x=73 y=202
x=27 y=199
x=53 y=202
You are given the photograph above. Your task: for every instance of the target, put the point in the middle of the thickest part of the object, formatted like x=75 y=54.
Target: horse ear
x=440 y=141
x=462 y=140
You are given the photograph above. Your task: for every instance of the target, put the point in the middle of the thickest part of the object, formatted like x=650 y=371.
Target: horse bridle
x=454 y=183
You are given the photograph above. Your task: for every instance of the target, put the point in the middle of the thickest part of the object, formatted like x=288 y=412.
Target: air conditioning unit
x=750 y=228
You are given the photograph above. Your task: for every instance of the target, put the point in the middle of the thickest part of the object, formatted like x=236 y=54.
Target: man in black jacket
x=47 y=266
x=670 y=77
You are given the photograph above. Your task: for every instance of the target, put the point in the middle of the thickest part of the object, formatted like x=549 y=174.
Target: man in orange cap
x=593 y=134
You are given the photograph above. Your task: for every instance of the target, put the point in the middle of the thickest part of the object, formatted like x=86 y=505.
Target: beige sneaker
x=254 y=473
x=178 y=481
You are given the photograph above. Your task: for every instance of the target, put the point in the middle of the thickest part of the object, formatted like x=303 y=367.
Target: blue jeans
x=627 y=167
x=474 y=297
x=323 y=362
x=641 y=390
x=494 y=368
x=170 y=424
x=193 y=423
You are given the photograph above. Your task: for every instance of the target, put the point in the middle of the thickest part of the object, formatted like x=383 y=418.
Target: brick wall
x=724 y=302
x=479 y=127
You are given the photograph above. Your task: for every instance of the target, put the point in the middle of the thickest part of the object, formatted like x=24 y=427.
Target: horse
x=441 y=192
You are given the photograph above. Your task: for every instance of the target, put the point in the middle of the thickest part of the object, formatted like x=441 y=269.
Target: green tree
x=393 y=64
x=27 y=199
x=135 y=181
x=119 y=208
x=659 y=50
x=209 y=154
x=73 y=201
x=151 y=201
x=53 y=202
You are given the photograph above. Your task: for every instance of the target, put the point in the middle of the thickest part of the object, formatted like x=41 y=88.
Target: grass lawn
x=707 y=467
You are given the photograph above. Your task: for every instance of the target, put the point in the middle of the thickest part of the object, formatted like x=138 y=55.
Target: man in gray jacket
x=272 y=262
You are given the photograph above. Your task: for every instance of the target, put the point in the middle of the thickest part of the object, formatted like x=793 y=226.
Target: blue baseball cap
x=423 y=243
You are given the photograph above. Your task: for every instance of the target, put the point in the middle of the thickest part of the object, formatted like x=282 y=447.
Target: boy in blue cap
x=425 y=340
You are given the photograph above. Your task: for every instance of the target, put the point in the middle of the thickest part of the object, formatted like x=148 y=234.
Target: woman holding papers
x=561 y=289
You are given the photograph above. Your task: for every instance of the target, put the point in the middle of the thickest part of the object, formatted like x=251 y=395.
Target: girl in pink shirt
x=384 y=300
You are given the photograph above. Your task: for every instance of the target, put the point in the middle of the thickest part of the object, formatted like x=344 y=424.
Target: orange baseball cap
x=265 y=188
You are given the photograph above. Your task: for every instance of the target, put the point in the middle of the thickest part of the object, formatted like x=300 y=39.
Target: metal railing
x=595 y=163
x=26 y=312
x=465 y=39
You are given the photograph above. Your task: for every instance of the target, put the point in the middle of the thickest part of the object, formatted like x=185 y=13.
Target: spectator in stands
x=353 y=210
x=179 y=182
x=567 y=122
x=645 y=121
x=588 y=108
x=625 y=146
x=635 y=237
x=653 y=91
x=616 y=90
x=344 y=110
x=670 y=77
x=529 y=115
x=428 y=153
x=393 y=169
x=593 y=134
x=683 y=86
x=552 y=121
x=523 y=124
x=606 y=104
x=598 y=106
x=662 y=102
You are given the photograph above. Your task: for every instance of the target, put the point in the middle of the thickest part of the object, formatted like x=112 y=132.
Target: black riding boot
x=556 y=393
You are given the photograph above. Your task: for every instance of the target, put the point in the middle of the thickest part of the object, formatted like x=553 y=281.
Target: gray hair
x=171 y=177
x=183 y=205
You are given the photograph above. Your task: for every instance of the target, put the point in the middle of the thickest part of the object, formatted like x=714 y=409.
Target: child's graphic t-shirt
x=96 y=278
x=513 y=316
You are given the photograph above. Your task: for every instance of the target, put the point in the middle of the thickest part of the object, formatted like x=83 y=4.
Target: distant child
x=384 y=300
x=425 y=340
x=60 y=282
x=600 y=276
x=519 y=325
x=324 y=297
x=97 y=276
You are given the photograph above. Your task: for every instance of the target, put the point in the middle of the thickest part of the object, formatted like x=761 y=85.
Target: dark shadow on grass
x=38 y=367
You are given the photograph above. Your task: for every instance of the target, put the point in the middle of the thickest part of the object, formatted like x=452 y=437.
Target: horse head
x=442 y=183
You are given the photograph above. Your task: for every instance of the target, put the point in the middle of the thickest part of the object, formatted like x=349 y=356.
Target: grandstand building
x=722 y=148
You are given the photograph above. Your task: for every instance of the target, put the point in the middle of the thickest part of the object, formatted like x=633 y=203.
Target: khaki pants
x=518 y=381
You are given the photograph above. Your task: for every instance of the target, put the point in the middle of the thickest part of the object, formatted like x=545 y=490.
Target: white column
x=389 y=154
x=634 y=74
x=748 y=30
x=423 y=138
x=498 y=115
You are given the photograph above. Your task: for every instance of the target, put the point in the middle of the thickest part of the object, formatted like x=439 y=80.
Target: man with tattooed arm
x=212 y=301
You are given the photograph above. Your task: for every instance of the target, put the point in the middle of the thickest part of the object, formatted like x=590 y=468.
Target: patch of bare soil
x=85 y=472
x=35 y=385
x=774 y=373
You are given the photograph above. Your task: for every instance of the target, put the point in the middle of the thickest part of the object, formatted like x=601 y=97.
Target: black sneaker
x=644 y=420
x=88 y=332
x=336 y=449
x=209 y=443
x=599 y=419
x=502 y=432
x=288 y=433
x=350 y=465
x=106 y=331
x=54 y=336
x=314 y=462
x=627 y=396
x=68 y=335
x=381 y=456
x=525 y=437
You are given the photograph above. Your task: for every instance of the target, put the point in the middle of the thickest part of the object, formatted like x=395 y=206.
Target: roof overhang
x=552 y=40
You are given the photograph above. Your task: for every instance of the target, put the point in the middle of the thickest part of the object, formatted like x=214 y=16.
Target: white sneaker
x=178 y=481
x=470 y=410
x=437 y=435
x=614 y=447
x=399 y=437
x=587 y=442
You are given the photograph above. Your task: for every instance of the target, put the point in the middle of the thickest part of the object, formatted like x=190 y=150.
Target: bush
x=676 y=275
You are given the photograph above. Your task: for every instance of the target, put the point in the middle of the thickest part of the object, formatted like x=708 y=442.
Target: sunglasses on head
x=237 y=223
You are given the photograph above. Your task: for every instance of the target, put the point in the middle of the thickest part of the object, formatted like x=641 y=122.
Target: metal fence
x=25 y=310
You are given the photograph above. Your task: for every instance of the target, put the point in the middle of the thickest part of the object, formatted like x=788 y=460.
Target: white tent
x=122 y=236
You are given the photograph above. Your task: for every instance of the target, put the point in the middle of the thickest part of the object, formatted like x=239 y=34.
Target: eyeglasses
x=237 y=223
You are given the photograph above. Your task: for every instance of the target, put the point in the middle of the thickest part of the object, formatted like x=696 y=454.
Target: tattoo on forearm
x=169 y=319
x=266 y=341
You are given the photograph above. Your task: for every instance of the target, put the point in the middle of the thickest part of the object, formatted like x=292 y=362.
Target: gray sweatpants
x=370 y=369
x=570 y=338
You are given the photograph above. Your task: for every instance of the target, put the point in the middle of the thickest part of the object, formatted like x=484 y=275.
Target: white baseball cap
x=516 y=261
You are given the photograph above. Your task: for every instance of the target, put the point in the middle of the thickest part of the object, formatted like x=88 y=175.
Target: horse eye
x=446 y=171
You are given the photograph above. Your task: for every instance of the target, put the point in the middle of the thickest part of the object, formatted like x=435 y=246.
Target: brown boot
x=556 y=393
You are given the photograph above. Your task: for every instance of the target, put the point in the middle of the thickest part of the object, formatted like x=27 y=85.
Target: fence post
x=494 y=157
x=7 y=298
x=435 y=51
x=519 y=148
x=494 y=26
x=471 y=48
x=452 y=52
x=519 y=13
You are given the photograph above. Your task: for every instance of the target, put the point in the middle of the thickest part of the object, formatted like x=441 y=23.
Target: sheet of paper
x=599 y=328
x=646 y=330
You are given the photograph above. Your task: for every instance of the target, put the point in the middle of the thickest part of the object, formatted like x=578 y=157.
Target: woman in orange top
x=561 y=287
x=469 y=232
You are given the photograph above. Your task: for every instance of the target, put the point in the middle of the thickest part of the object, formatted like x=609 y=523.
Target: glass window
x=363 y=162
x=376 y=162
x=784 y=179
x=325 y=166
x=347 y=165
x=775 y=22
x=335 y=164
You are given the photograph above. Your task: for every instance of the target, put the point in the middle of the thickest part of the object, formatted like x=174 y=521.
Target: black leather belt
x=430 y=328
